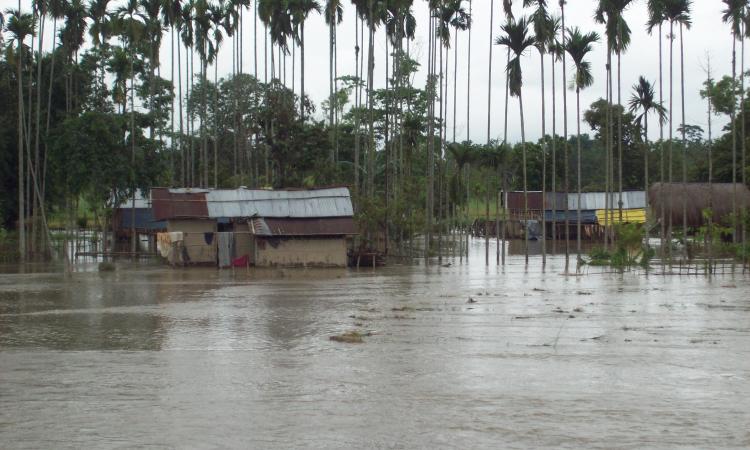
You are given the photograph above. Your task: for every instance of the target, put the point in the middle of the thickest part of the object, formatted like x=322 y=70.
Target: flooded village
x=406 y=224
x=218 y=341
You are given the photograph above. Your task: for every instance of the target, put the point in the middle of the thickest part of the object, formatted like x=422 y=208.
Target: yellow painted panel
x=628 y=216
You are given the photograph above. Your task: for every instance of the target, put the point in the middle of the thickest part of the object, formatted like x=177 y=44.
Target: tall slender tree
x=578 y=46
x=300 y=11
x=20 y=25
x=544 y=36
x=734 y=14
x=334 y=15
x=517 y=38
x=564 y=44
x=656 y=19
x=677 y=12
x=643 y=103
x=611 y=13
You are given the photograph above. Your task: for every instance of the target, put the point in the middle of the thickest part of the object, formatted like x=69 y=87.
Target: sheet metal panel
x=144 y=219
x=168 y=205
x=598 y=200
x=201 y=203
x=628 y=216
x=515 y=201
x=334 y=202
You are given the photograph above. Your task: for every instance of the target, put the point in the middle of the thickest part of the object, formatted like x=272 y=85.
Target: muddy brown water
x=149 y=356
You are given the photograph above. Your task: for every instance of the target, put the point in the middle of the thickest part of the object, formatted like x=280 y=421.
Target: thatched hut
x=669 y=196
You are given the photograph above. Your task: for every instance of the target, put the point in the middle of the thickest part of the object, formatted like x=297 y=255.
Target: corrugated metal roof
x=168 y=205
x=239 y=203
x=598 y=200
x=335 y=226
x=335 y=202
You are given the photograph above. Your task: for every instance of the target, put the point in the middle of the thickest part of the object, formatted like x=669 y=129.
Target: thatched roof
x=670 y=197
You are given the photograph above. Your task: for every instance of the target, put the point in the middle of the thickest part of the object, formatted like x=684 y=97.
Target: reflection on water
x=151 y=356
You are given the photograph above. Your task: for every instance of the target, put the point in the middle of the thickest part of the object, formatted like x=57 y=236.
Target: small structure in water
x=526 y=212
x=243 y=227
x=136 y=213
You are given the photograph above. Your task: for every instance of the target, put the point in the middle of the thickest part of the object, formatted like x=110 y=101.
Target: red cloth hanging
x=242 y=261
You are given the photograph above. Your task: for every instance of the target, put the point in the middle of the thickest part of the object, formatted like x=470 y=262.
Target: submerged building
x=525 y=212
x=244 y=227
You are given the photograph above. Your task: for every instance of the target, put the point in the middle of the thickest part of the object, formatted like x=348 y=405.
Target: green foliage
x=629 y=250
x=599 y=257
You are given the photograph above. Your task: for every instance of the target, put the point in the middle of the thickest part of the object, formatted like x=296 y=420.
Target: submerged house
x=243 y=227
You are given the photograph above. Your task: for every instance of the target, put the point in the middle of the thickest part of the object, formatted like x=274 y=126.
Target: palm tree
x=334 y=15
x=555 y=50
x=489 y=98
x=217 y=15
x=187 y=35
x=301 y=10
x=734 y=16
x=657 y=19
x=518 y=40
x=610 y=12
x=578 y=46
x=544 y=35
x=564 y=44
x=676 y=12
x=170 y=18
x=508 y=11
x=468 y=122
x=684 y=22
x=644 y=101
x=131 y=27
x=450 y=14
x=20 y=26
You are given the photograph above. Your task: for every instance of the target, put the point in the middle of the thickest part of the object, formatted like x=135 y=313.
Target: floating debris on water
x=350 y=337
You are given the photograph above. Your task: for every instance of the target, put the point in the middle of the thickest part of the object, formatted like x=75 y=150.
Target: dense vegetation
x=94 y=118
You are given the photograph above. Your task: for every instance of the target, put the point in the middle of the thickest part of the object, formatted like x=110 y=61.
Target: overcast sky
x=708 y=37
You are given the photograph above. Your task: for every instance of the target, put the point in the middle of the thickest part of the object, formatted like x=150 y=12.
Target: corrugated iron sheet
x=335 y=202
x=335 y=226
x=598 y=200
x=240 y=203
x=515 y=201
x=628 y=216
x=556 y=201
x=169 y=205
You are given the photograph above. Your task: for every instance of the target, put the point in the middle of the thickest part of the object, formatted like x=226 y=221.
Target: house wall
x=198 y=250
x=244 y=242
x=328 y=252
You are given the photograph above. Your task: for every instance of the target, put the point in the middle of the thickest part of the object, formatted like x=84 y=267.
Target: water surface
x=150 y=356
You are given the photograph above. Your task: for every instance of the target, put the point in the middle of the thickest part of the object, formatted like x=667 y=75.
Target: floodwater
x=150 y=356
